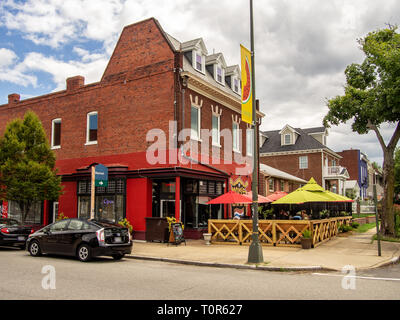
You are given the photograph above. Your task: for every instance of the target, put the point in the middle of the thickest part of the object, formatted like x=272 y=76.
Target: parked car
x=12 y=233
x=84 y=239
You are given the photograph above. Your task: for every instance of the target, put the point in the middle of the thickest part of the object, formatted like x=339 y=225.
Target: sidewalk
x=355 y=249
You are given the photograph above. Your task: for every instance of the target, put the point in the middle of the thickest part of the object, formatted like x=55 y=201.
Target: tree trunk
x=24 y=208
x=387 y=224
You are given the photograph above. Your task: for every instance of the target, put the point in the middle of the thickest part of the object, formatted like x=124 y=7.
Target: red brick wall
x=350 y=161
x=128 y=106
x=290 y=164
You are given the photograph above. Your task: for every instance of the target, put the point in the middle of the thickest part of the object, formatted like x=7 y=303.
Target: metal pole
x=377 y=222
x=255 y=250
x=92 y=194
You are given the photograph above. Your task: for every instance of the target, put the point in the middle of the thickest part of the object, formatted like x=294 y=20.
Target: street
x=104 y=278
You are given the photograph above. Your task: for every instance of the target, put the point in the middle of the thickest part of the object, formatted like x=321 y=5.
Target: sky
x=302 y=48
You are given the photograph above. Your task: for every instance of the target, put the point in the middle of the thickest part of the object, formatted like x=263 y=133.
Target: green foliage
x=61 y=216
x=125 y=223
x=27 y=163
x=306 y=234
x=345 y=228
x=355 y=225
x=351 y=193
x=324 y=214
x=267 y=213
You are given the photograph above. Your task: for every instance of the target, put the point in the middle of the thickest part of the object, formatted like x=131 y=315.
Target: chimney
x=13 y=98
x=74 y=83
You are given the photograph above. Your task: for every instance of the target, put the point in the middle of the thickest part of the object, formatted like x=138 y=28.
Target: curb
x=225 y=265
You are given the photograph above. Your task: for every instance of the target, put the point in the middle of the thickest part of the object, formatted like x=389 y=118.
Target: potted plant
x=306 y=240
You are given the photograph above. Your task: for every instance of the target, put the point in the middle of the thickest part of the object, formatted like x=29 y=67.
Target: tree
x=397 y=172
x=27 y=163
x=371 y=98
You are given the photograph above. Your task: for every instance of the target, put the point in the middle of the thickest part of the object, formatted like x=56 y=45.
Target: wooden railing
x=274 y=232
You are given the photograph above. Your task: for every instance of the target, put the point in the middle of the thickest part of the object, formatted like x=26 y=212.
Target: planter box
x=306 y=243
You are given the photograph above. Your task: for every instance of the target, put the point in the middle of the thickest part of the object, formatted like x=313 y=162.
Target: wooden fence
x=274 y=232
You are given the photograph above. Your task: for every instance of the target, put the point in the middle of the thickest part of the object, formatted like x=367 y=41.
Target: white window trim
x=88 y=143
x=198 y=136
x=233 y=84
x=237 y=139
x=218 y=143
x=216 y=66
x=284 y=139
x=300 y=163
x=203 y=61
x=249 y=131
x=53 y=147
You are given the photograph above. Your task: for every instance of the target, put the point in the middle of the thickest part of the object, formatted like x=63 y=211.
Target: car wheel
x=84 y=253
x=34 y=249
x=118 y=256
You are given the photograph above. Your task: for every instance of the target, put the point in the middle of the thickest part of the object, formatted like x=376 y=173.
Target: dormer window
x=287 y=139
x=219 y=74
x=199 y=62
x=236 y=85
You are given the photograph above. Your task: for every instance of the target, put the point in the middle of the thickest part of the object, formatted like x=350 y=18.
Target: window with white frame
x=198 y=61
x=215 y=130
x=195 y=122
x=249 y=142
x=91 y=127
x=287 y=138
x=271 y=184
x=236 y=85
x=235 y=136
x=56 y=133
x=303 y=162
x=219 y=74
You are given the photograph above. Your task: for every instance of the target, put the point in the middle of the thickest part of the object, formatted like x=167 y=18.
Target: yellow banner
x=247 y=86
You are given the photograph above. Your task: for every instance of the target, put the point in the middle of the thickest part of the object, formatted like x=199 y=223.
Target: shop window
x=34 y=215
x=203 y=187
x=109 y=201
x=92 y=126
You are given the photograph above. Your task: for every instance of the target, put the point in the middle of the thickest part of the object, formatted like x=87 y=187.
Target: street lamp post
x=255 y=250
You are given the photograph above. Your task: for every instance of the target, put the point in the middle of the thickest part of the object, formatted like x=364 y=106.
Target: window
x=56 y=134
x=195 y=123
x=34 y=216
x=236 y=85
x=333 y=163
x=219 y=74
x=271 y=184
x=215 y=130
x=287 y=139
x=91 y=133
x=249 y=142
x=303 y=162
x=235 y=136
x=59 y=226
x=282 y=185
x=199 y=62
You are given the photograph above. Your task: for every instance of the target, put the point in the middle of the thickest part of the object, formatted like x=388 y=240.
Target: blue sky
x=302 y=48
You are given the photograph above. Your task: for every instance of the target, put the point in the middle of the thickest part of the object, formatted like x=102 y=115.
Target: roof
x=351 y=184
x=315 y=130
x=304 y=141
x=267 y=170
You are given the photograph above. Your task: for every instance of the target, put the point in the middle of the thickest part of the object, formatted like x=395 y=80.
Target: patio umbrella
x=301 y=196
x=276 y=195
x=261 y=199
x=230 y=197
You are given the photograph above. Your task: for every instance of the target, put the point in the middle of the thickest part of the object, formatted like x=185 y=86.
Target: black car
x=84 y=239
x=12 y=233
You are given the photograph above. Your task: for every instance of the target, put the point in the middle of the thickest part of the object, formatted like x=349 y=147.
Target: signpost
x=377 y=222
x=99 y=179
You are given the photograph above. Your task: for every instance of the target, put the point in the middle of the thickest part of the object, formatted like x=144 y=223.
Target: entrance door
x=167 y=208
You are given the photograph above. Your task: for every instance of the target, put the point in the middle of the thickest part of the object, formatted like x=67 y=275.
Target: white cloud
x=8 y=71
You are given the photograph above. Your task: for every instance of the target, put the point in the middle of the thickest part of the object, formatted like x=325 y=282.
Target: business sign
x=100 y=176
x=247 y=85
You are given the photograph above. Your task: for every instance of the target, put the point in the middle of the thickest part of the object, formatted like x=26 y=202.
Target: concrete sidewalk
x=354 y=249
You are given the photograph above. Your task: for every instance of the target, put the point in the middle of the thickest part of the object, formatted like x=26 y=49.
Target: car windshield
x=9 y=222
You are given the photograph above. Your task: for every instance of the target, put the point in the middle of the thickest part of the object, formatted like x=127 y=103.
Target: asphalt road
x=104 y=278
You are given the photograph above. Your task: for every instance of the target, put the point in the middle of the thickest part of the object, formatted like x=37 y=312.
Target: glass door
x=167 y=208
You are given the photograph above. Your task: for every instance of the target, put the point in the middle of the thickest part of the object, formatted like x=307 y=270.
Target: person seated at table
x=304 y=215
x=283 y=214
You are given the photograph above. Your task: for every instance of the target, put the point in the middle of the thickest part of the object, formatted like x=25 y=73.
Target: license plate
x=21 y=238
x=117 y=239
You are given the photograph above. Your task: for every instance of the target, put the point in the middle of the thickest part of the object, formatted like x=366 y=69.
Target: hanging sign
x=247 y=85
x=101 y=176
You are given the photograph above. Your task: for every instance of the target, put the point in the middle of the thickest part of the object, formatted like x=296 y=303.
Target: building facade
x=165 y=119
x=303 y=153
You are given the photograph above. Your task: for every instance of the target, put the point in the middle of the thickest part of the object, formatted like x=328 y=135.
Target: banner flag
x=247 y=86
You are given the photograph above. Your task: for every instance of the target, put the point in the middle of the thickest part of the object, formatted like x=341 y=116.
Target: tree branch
x=378 y=134
x=395 y=138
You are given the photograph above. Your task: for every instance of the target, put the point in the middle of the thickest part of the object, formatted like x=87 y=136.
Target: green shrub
x=306 y=234
x=355 y=225
x=125 y=223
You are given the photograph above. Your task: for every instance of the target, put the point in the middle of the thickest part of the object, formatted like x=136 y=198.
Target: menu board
x=177 y=233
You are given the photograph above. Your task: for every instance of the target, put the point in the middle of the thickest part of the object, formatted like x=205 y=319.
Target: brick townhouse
x=303 y=153
x=151 y=80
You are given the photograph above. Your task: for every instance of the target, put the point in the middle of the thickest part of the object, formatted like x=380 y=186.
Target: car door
x=54 y=238
x=72 y=235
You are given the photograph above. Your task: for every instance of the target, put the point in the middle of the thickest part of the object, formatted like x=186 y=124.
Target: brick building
x=152 y=88
x=356 y=163
x=303 y=153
